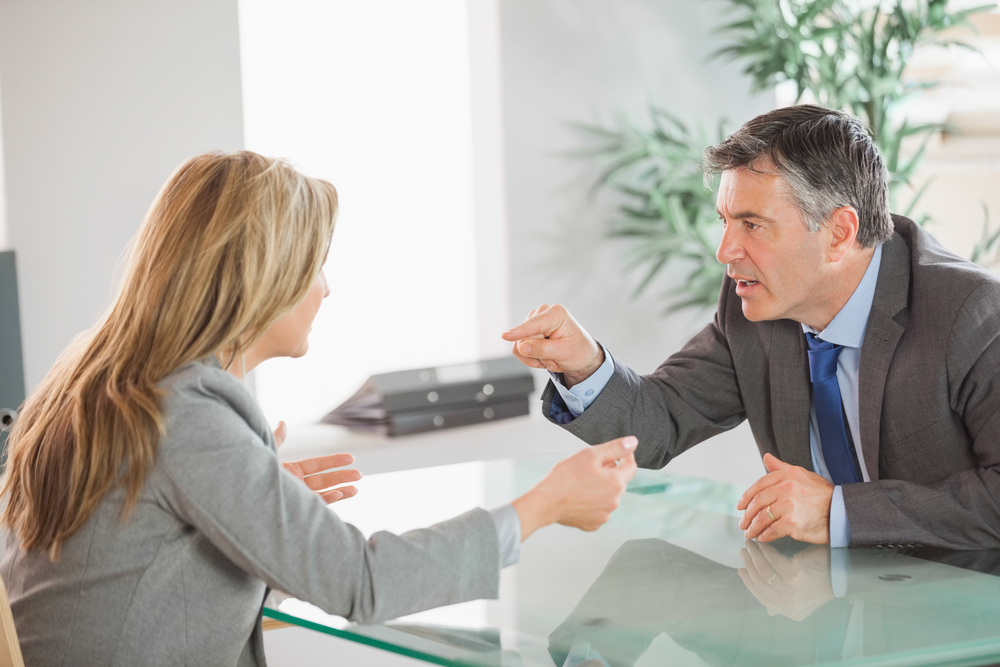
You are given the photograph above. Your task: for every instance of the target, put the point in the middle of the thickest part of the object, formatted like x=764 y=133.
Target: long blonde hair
x=230 y=244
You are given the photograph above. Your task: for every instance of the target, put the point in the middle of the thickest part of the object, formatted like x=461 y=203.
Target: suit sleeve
x=228 y=484
x=692 y=396
x=962 y=511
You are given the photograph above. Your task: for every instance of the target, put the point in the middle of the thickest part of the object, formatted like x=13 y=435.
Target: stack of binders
x=427 y=399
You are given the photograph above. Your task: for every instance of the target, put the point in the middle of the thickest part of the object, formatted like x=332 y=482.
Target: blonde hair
x=230 y=244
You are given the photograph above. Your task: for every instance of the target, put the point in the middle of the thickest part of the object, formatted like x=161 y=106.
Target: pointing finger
x=544 y=322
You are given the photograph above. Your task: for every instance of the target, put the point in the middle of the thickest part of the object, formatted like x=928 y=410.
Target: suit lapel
x=881 y=338
x=790 y=393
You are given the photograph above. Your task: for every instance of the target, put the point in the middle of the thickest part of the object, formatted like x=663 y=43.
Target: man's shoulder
x=937 y=274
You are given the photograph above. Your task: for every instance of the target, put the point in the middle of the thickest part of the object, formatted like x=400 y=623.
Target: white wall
x=101 y=101
x=381 y=99
x=581 y=60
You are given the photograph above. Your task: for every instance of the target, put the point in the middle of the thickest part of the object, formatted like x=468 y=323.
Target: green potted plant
x=842 y=54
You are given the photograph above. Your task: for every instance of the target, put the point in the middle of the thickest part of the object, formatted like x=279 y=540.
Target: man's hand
x=316 y=474
x=550 y=338
x=794 y=587
x=581 y=491
x=788 y=500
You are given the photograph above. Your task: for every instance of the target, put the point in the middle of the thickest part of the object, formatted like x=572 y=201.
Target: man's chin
x=753 y=312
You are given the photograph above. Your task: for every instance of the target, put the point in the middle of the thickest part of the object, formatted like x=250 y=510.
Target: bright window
x=375 y=97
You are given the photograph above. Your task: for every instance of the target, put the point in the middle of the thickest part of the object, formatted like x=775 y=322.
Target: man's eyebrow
x=746 y=215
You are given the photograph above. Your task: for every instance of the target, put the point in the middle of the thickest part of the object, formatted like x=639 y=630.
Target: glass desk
x=671 y=581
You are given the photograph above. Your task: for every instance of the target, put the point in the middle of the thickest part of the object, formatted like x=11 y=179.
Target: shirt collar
x=848 y=327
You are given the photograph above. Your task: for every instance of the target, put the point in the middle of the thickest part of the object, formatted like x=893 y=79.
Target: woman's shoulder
x=204 y=405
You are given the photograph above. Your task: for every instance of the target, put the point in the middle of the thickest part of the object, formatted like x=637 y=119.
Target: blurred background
x=465 y=139
x=490 y=155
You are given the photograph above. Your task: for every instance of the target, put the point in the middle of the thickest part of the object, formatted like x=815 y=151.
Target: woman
x=147 y=511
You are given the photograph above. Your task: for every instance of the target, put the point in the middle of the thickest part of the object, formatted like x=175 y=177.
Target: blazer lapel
x=881 y=337
x=790 y=393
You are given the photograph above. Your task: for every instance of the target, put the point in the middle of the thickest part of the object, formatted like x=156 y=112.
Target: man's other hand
x=788 y=500
x=550 y=338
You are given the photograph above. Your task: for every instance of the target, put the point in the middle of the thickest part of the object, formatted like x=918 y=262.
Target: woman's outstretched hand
x=581 y=491
x=316 y=472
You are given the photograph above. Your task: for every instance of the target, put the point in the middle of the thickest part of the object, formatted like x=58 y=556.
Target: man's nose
x=730 y=249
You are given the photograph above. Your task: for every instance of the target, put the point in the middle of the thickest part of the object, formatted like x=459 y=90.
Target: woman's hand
x=581 y=491
x=316 y=473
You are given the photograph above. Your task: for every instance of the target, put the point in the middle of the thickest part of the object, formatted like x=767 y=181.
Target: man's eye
x=750 y=225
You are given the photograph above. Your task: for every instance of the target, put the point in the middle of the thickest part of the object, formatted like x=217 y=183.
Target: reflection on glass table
x=671 y=581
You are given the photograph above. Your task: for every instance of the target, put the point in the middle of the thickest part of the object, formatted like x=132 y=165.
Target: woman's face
x=289 y=336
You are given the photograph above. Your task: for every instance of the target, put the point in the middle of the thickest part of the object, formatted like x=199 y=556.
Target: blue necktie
x=833 y=436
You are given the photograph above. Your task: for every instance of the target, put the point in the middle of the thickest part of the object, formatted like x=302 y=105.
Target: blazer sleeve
x=692 y=396
x=222 y=478
x=961 y=511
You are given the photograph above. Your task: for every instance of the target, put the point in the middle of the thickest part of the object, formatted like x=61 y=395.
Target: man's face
x=779 y=265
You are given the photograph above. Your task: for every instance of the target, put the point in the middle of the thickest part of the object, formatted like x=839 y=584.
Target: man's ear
x=843 y=226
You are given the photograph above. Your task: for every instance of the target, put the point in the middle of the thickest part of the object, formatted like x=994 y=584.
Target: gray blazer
x=219 y=521
x=929 y=397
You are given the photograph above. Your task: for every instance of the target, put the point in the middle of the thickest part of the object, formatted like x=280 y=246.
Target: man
x=862 y=352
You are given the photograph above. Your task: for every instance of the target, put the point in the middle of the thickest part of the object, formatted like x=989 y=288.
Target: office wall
x=101 y=101
x=582 y=60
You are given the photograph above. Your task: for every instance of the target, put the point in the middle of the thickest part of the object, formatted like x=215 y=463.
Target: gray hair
x=826 y=158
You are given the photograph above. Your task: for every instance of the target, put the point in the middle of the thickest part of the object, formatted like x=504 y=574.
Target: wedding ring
x=773 y=575
x=771 y=517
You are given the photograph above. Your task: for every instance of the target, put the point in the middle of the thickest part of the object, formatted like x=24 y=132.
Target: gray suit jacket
x=929 y=397
x=219 y=520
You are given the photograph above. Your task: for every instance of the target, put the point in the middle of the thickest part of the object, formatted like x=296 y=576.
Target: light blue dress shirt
x=847 y=329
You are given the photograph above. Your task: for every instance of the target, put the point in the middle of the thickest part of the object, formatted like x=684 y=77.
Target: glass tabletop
x=671 y=581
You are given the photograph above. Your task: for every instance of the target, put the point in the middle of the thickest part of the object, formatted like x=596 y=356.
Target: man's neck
x=851 y=272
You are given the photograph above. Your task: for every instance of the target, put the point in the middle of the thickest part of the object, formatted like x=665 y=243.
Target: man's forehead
x=745 y=189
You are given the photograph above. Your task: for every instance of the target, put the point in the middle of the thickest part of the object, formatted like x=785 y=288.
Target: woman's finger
x=342 y=493
x=333 y=478
x=280 y=433
x=323 y=463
